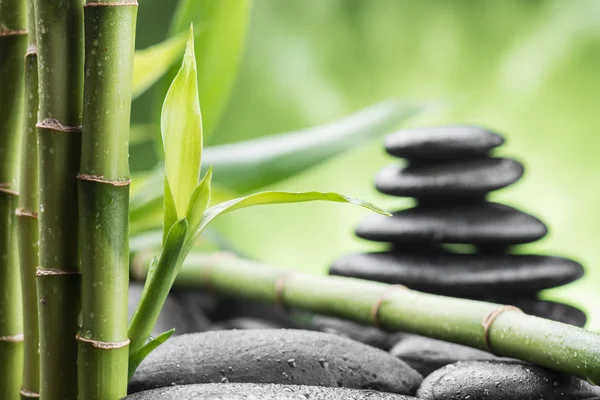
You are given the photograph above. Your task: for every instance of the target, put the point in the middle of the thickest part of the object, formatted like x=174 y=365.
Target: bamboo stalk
x=27 y=215
x=499 y=329
x=104 y=198
x=59 y=34
x=13 y=43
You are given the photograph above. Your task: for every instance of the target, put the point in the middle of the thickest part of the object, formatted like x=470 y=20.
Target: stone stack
x=455 y=241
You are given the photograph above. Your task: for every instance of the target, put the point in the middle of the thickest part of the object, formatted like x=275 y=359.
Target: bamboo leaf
x=219 y=49
x=181 y=127
x=249 y=165
x=153 y=62
x=170 y=213
x=135 y=359
x=199 y=201
x=264 y=198
x=252 y=164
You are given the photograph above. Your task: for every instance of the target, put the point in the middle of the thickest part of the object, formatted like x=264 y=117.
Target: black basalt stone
x=273 y=356
x=442 y=142
x=461 y=274
x=502 y=380
x=457 y=179
x=427 y=355
x=243 y=323
x=252 y=391
x=478 y=224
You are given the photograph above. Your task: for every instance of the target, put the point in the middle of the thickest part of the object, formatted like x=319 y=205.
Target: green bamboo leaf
x=219 y=49
x=135 y=359
x=181 y=127
x=170 y=212
x=157 y=286
x=264 y=198
x=199 y=201
x=252 y=164
x=153 y=62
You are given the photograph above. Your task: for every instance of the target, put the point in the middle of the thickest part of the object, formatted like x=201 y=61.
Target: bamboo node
x=7 y=188
x=27 y=393
x=111 y=4
x=489 y=319
x=102 y=345
x=54 y=271
x=23 y=212
x=280 y=287
x=377 y=306
x=13 y=32
x=101 y=179
x=56 y=125
x=16 y=338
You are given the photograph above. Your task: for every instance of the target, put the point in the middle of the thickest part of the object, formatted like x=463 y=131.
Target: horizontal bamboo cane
x=503 y=330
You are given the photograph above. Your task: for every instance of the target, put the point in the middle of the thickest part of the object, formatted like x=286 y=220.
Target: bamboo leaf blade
x=152 y=63
x=181 y=127
x=200 y=200
x=219 y=50
x=249 y=165
x=253 y=164
x=272 y=197
x=135 y=359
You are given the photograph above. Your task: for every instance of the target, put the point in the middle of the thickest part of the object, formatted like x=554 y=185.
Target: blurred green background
x=528 y=69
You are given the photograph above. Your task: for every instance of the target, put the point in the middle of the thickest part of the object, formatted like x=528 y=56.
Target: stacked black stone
x=455 y=242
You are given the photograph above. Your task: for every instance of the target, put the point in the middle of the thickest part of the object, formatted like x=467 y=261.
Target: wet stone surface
x=250 y=391
x=427 y=355
x=502 y=380
x=457 y=179
x=442 y=142
x=485 y=223
x=279 y=356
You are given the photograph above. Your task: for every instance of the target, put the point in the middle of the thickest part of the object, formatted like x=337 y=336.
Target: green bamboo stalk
x=104 y=198
x=27 y=215
x=561 y=347
x=59 y=35
x=13 y=44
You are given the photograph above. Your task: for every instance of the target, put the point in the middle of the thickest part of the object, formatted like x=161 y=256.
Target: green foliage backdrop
x=528 y=69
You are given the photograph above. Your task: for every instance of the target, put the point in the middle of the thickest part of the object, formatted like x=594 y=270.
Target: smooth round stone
x=502 y=380
x=442 y=142
x=479 y=224
x=427 y=355
x=465 y=178
x=461 y=274
x=279 y=356
x=252 y=391
x=232 y=308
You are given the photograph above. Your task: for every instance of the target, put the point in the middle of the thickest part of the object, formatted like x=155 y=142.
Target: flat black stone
x=461 y=274
x=442 y=142
x=479 y=224
x=252 y=391
x=243 y=323
x=427 y=355
x=465 y=178
x=502 y=380
x=273 y=356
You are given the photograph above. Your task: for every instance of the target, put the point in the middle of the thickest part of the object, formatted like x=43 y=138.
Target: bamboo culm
x=27 y=216
x=502 y=330
x=13 y=44
x=104 y=198
x=59 y=36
